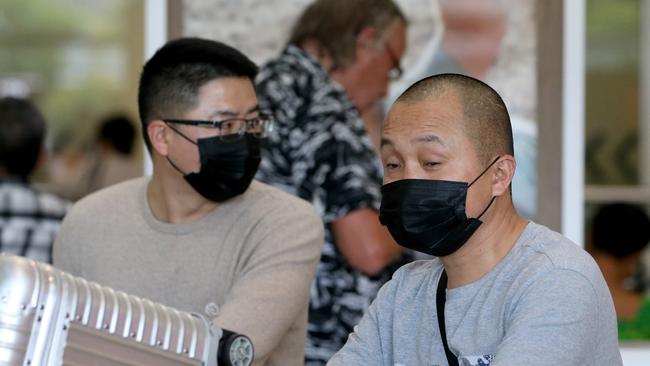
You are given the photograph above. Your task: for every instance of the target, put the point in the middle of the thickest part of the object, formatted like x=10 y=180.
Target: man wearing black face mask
x=503 y=291
x=200 y=234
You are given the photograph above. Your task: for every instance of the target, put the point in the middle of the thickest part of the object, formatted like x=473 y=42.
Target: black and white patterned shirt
x=321 y=152
x=29 y=220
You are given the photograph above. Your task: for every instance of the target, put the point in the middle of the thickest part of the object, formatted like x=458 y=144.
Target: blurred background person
x=29 y=219
x=108 y=160
x=111 y=160
x=620 y=234
x=338 y=62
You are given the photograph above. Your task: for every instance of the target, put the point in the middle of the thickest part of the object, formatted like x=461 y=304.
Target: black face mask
x=227 y=167
x=429 y=215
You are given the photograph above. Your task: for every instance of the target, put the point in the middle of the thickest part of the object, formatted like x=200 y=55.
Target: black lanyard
x=441 y=297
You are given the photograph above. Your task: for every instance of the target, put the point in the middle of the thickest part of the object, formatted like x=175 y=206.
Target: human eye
x=254 y=123
x=431 y=164
x=232 y=126
x=391 y=165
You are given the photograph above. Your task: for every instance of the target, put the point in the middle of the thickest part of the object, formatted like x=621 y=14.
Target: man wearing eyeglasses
x=200 y=234
x=340 y=57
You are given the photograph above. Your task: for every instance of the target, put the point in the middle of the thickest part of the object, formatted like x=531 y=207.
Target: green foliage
x=618 y=16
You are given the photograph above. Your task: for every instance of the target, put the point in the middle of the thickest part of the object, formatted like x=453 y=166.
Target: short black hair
x=486 y=118
x=170 y=80
x=22 y=131
x=118 y=131
x=620 y=229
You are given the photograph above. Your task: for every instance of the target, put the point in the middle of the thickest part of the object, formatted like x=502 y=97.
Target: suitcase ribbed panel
x=86 y=346
x=17 y=315
x=48 y=318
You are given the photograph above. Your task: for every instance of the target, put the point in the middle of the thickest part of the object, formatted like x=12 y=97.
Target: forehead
x=231 y=94
x=439 y=115
x=227 y=89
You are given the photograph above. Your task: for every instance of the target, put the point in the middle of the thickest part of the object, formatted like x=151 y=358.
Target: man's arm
x=560 y=320
x=66 y=251
x=371 y=343
x=364 y=242
x=272 y=291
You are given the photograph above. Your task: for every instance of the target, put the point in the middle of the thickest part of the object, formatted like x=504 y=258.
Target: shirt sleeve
x=272 y=292
x=371 y=337
x=559 y=320
x=342 y=171
x=66 y=249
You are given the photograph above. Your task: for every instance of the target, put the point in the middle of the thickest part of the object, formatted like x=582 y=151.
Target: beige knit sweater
x=253 y=257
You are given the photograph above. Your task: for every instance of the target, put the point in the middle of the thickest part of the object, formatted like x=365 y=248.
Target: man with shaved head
x=502 y=290
x=337 y=65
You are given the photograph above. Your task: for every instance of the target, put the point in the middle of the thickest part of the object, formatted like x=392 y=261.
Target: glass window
x=79 y=60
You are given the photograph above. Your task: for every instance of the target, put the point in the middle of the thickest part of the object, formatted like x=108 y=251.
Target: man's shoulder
x=53 y=205
x=27 y=199
x=298 y=83
x=264 y=198
x=111 y=198
x=554 y=248
x=292 y=66
x=550 y=255
x=421 y=267
x=417 y=273
x=271 y=211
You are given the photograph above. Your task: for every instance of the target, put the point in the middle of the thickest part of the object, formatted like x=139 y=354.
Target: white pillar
x=155 y=35
x=573 y=120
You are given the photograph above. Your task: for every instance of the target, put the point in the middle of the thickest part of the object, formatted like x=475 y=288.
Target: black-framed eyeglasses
x=234 y=128
x=396 y=72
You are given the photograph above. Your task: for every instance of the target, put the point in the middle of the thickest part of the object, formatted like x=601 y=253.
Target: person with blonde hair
x=337 y=64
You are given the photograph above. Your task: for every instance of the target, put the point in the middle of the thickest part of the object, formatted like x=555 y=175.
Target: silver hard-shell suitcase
x=50 y=318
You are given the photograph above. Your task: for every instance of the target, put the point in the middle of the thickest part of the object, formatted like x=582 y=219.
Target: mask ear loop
x=477 y=178
x=486 y=208
x=186 y=138
x=180 y=133
x=174 y=166
x=485 y=170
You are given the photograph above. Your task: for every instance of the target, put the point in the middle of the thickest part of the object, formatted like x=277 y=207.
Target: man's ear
x=157 y=131
x=367 y=38
x=503 y=174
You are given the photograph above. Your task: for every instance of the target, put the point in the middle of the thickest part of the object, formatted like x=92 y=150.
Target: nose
x=413 y=171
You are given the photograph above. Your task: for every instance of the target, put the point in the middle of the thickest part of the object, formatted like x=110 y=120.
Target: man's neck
x=176 y=202
x=485 y=249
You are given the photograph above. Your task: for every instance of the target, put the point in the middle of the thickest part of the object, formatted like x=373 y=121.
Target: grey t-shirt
x=545 y=303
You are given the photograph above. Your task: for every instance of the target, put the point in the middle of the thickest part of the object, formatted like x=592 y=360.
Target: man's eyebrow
x=386 y=142
x=428 y=139
x=229 y=113
x=223 y=113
